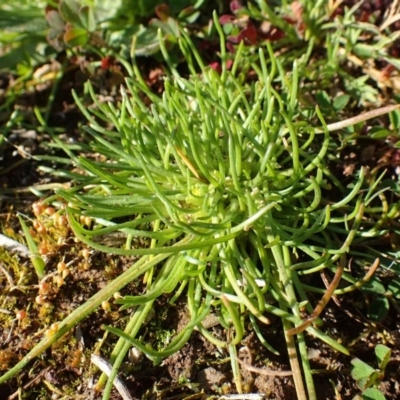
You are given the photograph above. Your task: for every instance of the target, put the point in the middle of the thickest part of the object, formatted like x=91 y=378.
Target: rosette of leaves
x=223 y=190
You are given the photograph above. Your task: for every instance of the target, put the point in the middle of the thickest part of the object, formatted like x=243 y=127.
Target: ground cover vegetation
x=199 y=199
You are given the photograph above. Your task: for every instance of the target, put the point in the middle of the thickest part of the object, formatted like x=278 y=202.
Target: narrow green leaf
x=37 y=260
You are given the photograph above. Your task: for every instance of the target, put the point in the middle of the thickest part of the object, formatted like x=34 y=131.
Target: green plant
x=111 y=24
x=368 y=378
x=228 y=187
x=22 y=36
x=338 y=40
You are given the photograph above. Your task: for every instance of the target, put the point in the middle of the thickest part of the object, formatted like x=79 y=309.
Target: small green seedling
x=368 y=378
